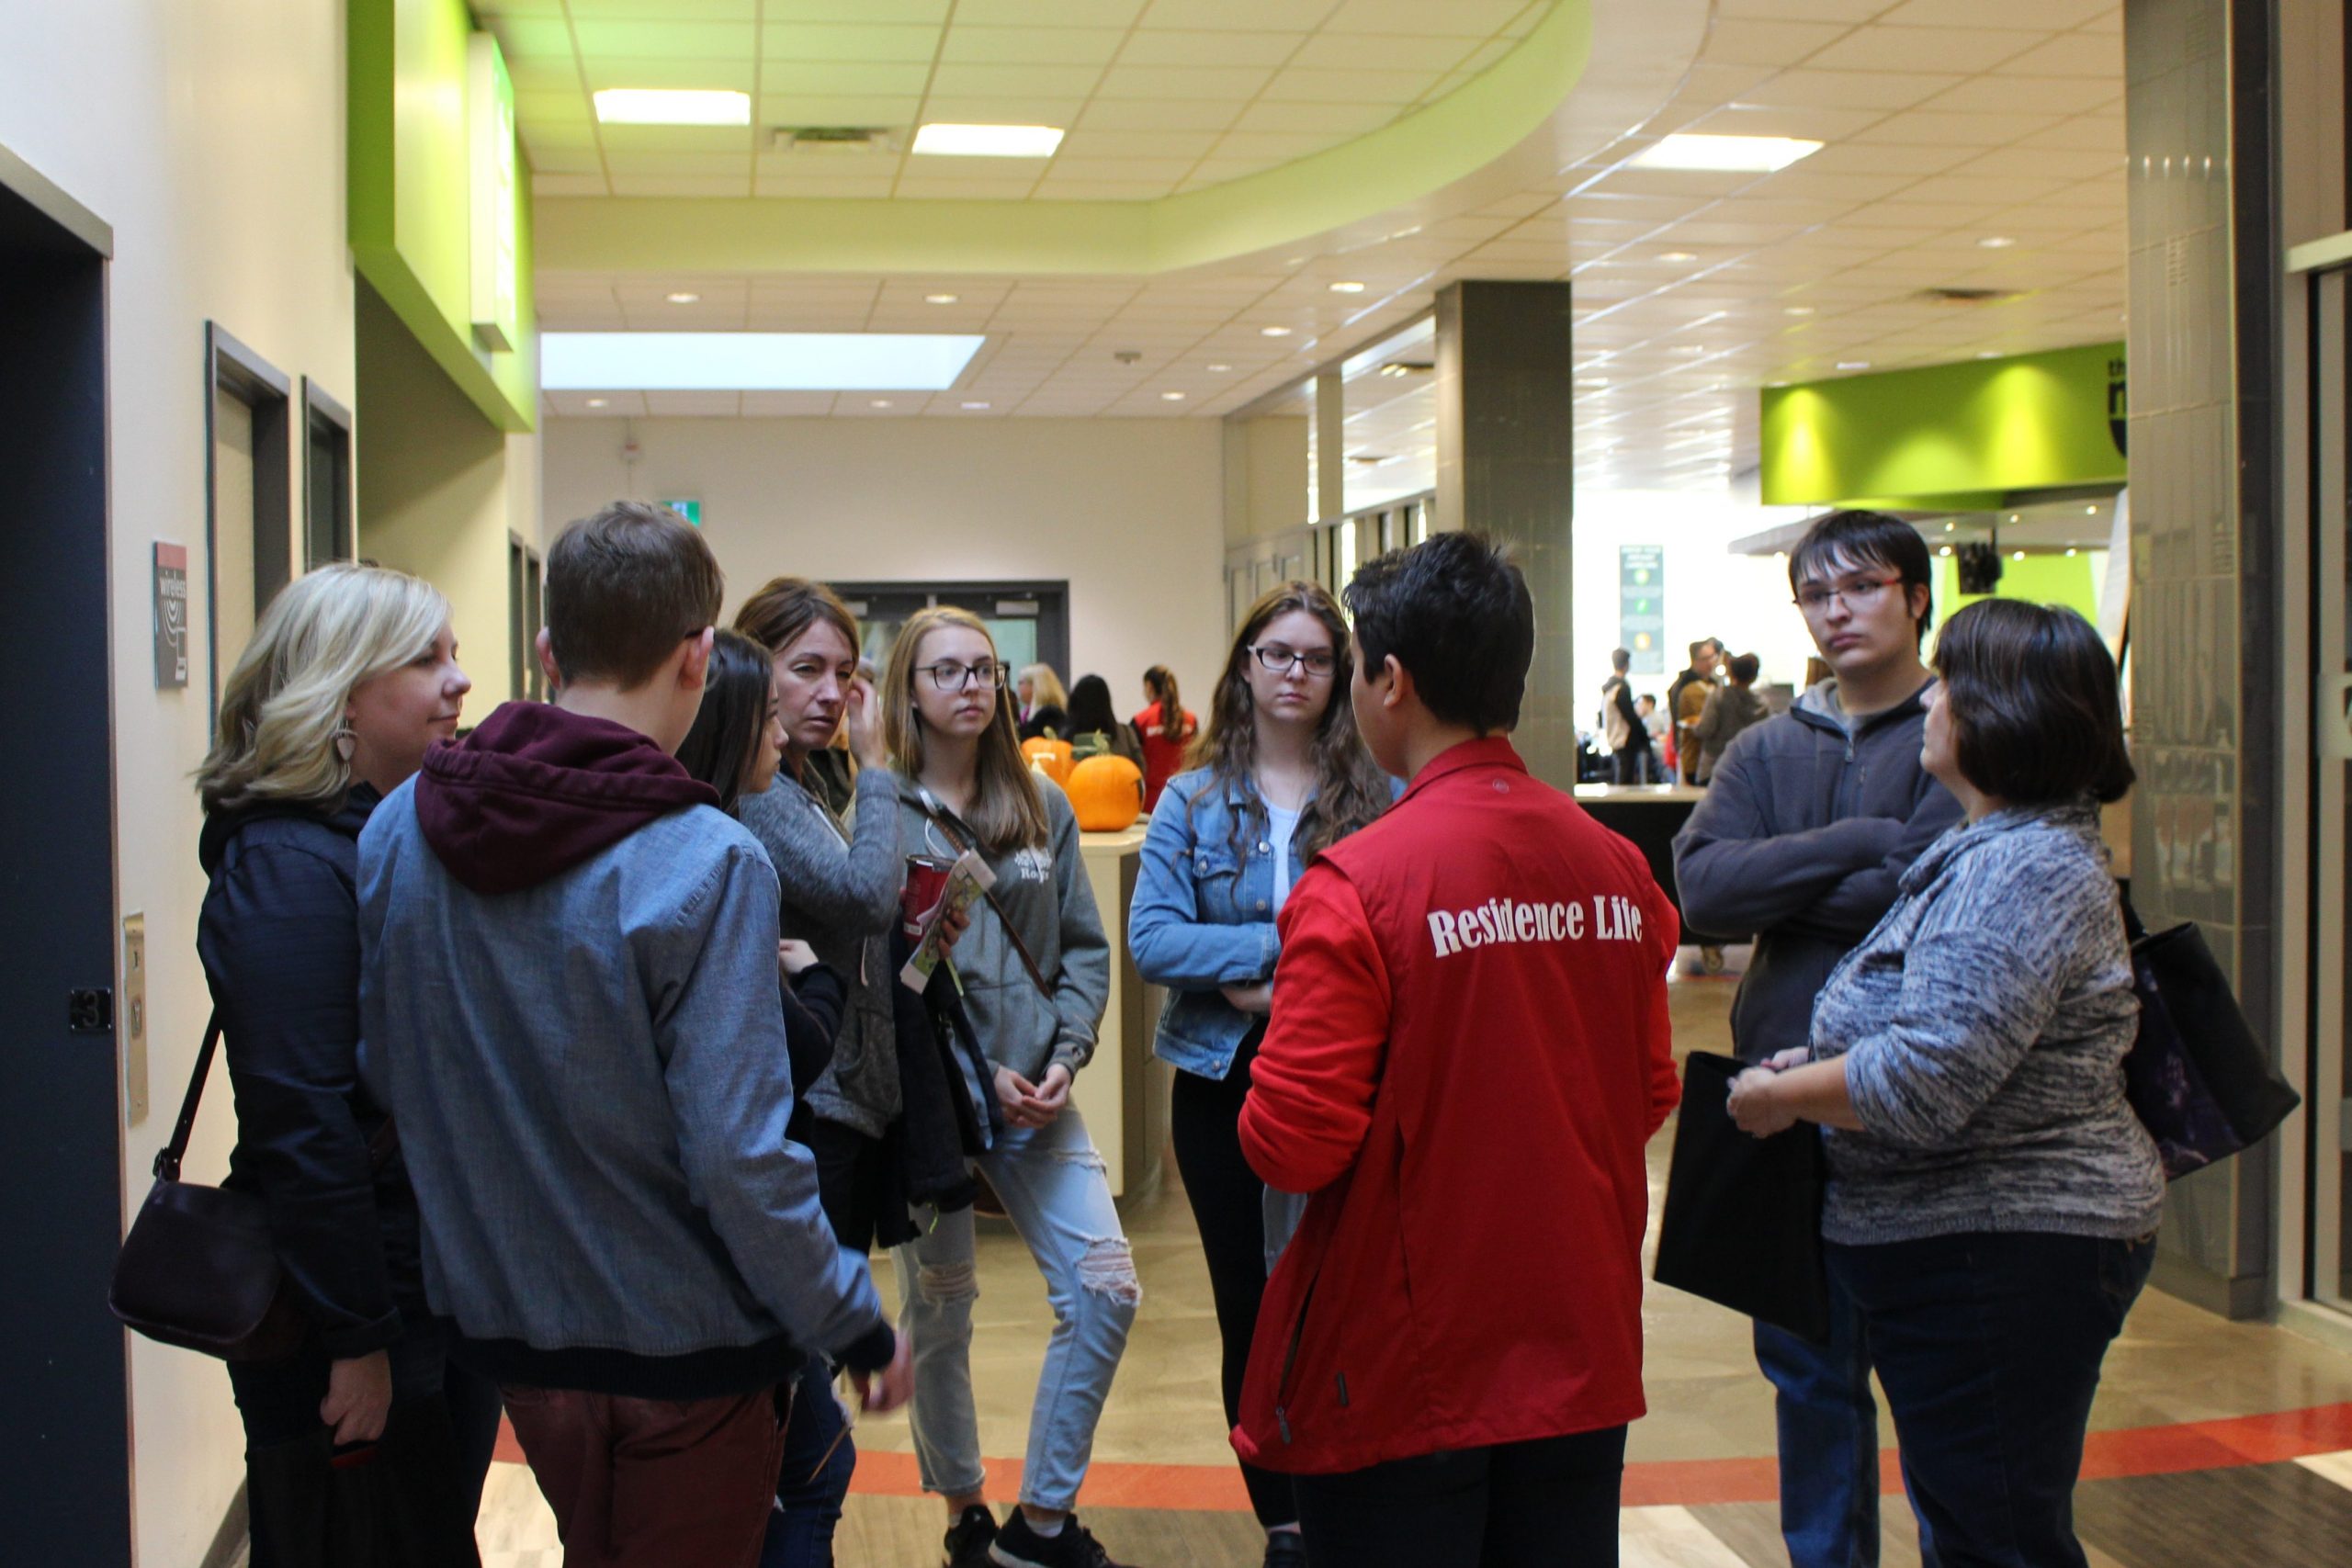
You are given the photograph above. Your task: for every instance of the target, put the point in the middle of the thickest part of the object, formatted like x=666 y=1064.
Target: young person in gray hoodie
x=1993 y=1200
x=569 y=1004
x=1035 y=971
x=1810 y=820
x=1729 y=710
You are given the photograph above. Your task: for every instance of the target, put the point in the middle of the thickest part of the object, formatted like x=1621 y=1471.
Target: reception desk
x=1124 y=1091
x=1649 y=816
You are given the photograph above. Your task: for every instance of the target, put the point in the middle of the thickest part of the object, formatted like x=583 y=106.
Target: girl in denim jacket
x=1279 y=775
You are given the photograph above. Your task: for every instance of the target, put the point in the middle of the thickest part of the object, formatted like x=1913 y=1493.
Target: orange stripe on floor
x=2137 y=1451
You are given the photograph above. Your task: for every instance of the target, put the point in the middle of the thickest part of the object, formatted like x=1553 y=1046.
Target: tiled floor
x=2214 y=1443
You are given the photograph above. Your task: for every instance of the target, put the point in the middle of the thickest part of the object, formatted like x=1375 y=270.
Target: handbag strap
x=956 y=836
x=2133 y=931
x=167 y=1158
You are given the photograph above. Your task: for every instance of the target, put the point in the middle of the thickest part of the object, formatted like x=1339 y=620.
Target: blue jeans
x=1989 y=1346
x=1058 y=1196
x=1829 y=1442
x=812 y=1482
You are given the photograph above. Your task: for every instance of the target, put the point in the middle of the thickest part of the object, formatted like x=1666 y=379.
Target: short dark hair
x=726 y=732
x=1620 y=658
x=2035 y=706
x=1455 y=611
x=624 y=587
x=1745 y=668
x=1704 y=645
x=1844 y=540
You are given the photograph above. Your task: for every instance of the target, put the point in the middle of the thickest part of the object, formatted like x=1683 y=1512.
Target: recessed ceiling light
x=597 y=402
x=1172 y=397
x=1796 y=310
x=976 y=405
x=1220 y=369
x=1592 y=380
x=1853 y=364
x=1346 y=286
x=987 y=140
x=2017 y=554
x=754 y=362
x=1676 y=256
x=2071 y=554
x=1273 y=332
x=673 y=106
x=1996 y=243
x=2090 y=511
x=1688 y=348
x=2013 y=516
x=880 y=403
x=1725 y=154
x=1947 y=527
x=1988 y=353
x=1945 y=551
x=940 y=298
x=683 y=297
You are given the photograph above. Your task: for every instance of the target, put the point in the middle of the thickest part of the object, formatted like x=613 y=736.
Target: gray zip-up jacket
x=841 y=897
x=1045 y=894
x=1729 y=710
x=1984 y=1025
x=1805 y=828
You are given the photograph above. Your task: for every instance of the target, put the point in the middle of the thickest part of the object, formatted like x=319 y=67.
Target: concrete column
x=1330 y=448
x=1506 y=455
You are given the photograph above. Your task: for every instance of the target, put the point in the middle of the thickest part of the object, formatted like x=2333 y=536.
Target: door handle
x=2332 y=724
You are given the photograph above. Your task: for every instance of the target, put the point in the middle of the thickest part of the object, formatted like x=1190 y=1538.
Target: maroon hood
x=537 y=790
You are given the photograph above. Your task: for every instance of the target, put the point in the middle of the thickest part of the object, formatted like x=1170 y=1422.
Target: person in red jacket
x=1468 y=1049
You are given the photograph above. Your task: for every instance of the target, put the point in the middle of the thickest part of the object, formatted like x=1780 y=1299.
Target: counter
x=1124 y=1092
x=1649 y=816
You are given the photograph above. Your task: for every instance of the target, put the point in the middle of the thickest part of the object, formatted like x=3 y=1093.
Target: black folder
x=1742 y=1225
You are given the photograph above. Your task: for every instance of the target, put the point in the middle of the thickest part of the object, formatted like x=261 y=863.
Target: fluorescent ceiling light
x=939 y=299
x=989 y=140
x=1273 y=332
x=1996 y=243
x=880 y=403
x=1725 y=154
x=1172 y=397
x=1676 y=256
x=597 y=402
x=683 y=297
x=1796 y=310
x=754 y=362
x=1853 y=364
x=1349 y=287
x=1220 y=369
x=673 y=106
x=976 y=405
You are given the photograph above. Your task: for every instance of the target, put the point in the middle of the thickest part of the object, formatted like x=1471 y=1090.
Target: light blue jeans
x=1058 y=1196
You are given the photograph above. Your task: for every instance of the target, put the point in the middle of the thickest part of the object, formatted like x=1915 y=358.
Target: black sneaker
x=969 y=1537
x=1284 y=1549
x=1018 y=1546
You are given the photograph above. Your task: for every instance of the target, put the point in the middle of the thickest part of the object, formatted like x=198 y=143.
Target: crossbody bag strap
x=955 y=835
x=167 y=1158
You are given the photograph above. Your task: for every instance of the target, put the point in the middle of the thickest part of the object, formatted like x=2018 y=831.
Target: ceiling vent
x=1964 y=295
x=834 y=141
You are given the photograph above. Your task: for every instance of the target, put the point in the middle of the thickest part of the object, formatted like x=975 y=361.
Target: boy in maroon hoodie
x=569 y=1004
x=1468 y=1049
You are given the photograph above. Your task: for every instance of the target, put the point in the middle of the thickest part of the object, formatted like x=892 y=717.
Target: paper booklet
x=967 y=879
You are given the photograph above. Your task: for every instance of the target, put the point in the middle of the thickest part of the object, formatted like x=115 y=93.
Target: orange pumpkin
x=1055 y=756
x=1107 y=792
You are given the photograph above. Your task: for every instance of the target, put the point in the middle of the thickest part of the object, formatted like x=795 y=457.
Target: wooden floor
x=2214 y=1444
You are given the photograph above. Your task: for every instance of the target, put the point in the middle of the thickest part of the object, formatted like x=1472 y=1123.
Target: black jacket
x=280 y=940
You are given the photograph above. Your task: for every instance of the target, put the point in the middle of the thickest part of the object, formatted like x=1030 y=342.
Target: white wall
x=1709 y=591
x=1129 y=510
x=210 y=137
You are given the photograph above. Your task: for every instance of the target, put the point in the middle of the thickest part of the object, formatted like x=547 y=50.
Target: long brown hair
x=1349 y=788
x=1161 y=678
x=1007 y=812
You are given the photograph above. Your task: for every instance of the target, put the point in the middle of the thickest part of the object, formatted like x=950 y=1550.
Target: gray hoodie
x=1729 y=710
x=1045 y=895
x=1807 y=826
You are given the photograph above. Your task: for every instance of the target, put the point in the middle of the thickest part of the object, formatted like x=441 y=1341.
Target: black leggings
x=1229 y=1204
x=1534 y=1504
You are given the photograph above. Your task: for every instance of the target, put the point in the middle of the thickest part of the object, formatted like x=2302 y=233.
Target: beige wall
x=1128 y=510
x=210 y=138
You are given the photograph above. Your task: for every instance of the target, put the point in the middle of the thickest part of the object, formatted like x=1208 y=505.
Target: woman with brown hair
x=1280 y=776
x=1166 y=728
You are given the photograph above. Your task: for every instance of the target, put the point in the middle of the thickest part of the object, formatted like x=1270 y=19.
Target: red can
x=925 y=885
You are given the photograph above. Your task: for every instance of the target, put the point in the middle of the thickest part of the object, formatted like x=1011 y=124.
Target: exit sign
x=689 y=510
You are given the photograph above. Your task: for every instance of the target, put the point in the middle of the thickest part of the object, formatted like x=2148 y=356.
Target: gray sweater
x=1983 y=1026
x=1729 y=710
x=1045 y=894
x=841 y=897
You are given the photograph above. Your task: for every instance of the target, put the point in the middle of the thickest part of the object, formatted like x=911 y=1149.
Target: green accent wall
x=2041 y=579
x=411 y=198
x=1399 y=164
x=1947 y=435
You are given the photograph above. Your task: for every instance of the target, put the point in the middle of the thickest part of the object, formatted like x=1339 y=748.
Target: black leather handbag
x=2196 y=1075
x=198 y=1268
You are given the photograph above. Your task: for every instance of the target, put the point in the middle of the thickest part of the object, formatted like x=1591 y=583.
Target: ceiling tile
x=1166 y=114
x=1812 y=124
x=2075 y=54
x=1965 y=132
x=1045 y=12
x=1748 y=41
x=1095 y=144
x=811 y=42
x=1183 y=81
x=1299 y=84
x=604 y=70
x=1172 y=46
x=844 y=80
x=1273 y=16
x=970 y=81
x=959 y=109
x=2045 y=16
x=679 y=185
x=1326 y=119
x=1907 y=49
x=867 y=10
x=1166 y=171
x=666 y=39
x=1805 y=88
x=1468 y=18
x=568 y=185
x=965 y=189
x=1384 y=51
x=800 y=108
x=1032 y=46
x=532 y=35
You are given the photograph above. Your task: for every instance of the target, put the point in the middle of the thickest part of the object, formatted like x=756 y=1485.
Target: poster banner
x=170 y=616
x=1641 y=606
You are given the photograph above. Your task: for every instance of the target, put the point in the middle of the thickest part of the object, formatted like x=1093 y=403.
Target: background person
x=1165 y=729
x=1730 y=708
x=350 y=677
x=1095 y=727
x=1473 y=984
x=1687 y=698
x=1631 y=759
x=1809 y=822
x=1280 y=775
x=1993 y=1202
x=1035 y=971
x=1044 y=706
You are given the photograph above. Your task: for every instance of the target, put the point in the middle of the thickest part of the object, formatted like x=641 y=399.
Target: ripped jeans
x=1057 y=1196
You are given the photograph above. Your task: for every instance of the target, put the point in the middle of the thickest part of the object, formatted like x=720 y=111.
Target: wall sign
x=689 y=510
x=170 y=616
x=1641 y=606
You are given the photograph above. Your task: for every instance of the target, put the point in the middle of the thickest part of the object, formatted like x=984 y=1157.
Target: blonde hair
x=1007 y=812
x=324 y=634
x=1044 y=686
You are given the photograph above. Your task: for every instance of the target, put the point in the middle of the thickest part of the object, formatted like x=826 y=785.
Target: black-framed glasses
x=1277 y=659
x=1861 y=595
x=949 y=676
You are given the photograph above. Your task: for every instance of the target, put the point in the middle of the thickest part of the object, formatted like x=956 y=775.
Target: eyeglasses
x=1276 y=659
x=950 y=676
x=1859 y=595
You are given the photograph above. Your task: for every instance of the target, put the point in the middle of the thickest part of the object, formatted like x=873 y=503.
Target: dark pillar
x=1506 y=453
